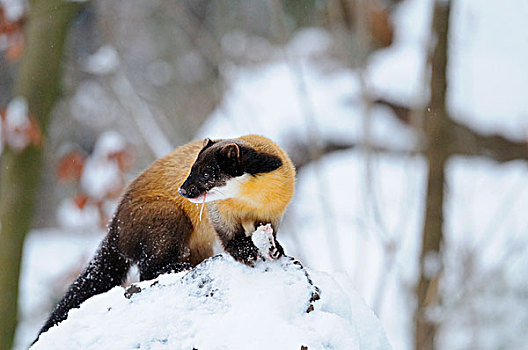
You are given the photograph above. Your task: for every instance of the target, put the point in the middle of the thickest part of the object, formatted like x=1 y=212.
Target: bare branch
x=468 y=142
x=299 y=156
x=153 y=135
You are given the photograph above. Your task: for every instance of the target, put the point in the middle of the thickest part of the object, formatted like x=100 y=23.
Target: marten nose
x=191 y=191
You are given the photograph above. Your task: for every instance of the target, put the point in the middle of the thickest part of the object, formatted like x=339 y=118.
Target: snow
x=488 y=63
x=102 y=169
x=109 y=142
x=50 y=256
x=397 y=75
x=223 y=304
x=16 y=124
x=91 y=101
x=262 y=239
x=14 y=9
x=104 y=61
x=70 y=215
x=101 y=174
x=310 y=42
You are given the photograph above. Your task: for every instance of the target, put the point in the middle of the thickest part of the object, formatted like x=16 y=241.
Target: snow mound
x=222 y=304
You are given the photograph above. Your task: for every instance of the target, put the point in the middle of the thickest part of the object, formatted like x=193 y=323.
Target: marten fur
x=158 y=225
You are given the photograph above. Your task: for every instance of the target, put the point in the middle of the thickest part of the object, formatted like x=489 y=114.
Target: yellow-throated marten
x=158 y=225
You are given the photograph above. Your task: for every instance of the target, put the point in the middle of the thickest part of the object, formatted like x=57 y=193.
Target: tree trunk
x=38 y=81
x=437 y=152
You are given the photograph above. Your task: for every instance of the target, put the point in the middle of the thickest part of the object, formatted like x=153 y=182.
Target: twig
x=152 y=134
x=313 y=143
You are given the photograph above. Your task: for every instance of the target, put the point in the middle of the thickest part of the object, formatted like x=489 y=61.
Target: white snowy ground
x=340 y=226
x=49 y=256
x=222 y=304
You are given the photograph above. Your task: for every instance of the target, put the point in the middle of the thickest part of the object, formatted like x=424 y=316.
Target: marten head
x=222 y=167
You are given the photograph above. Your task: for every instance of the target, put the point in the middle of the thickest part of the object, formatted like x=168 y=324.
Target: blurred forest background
x=407 y=121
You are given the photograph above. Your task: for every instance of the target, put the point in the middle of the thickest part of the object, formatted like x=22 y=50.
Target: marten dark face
x=222 y=167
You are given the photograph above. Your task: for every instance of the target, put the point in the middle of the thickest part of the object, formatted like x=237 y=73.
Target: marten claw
x=274 y=252
x=251 y=259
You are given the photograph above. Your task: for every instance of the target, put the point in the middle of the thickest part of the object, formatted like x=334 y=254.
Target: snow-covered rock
x=222 y=304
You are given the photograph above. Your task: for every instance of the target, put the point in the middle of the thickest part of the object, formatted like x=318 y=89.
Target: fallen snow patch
x=222 y=304
x=104 y=61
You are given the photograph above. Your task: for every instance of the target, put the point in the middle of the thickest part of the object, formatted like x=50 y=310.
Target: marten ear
x=229 y=159
x=207 y=142
x=231 y=152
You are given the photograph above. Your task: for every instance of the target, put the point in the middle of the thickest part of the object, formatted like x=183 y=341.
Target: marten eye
x=206 y=175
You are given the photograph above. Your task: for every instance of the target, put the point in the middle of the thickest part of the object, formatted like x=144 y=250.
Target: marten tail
x=106 y=270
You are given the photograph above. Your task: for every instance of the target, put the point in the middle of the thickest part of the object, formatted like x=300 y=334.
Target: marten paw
x=246 y=255
x=243 y=250
x=264 y=240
